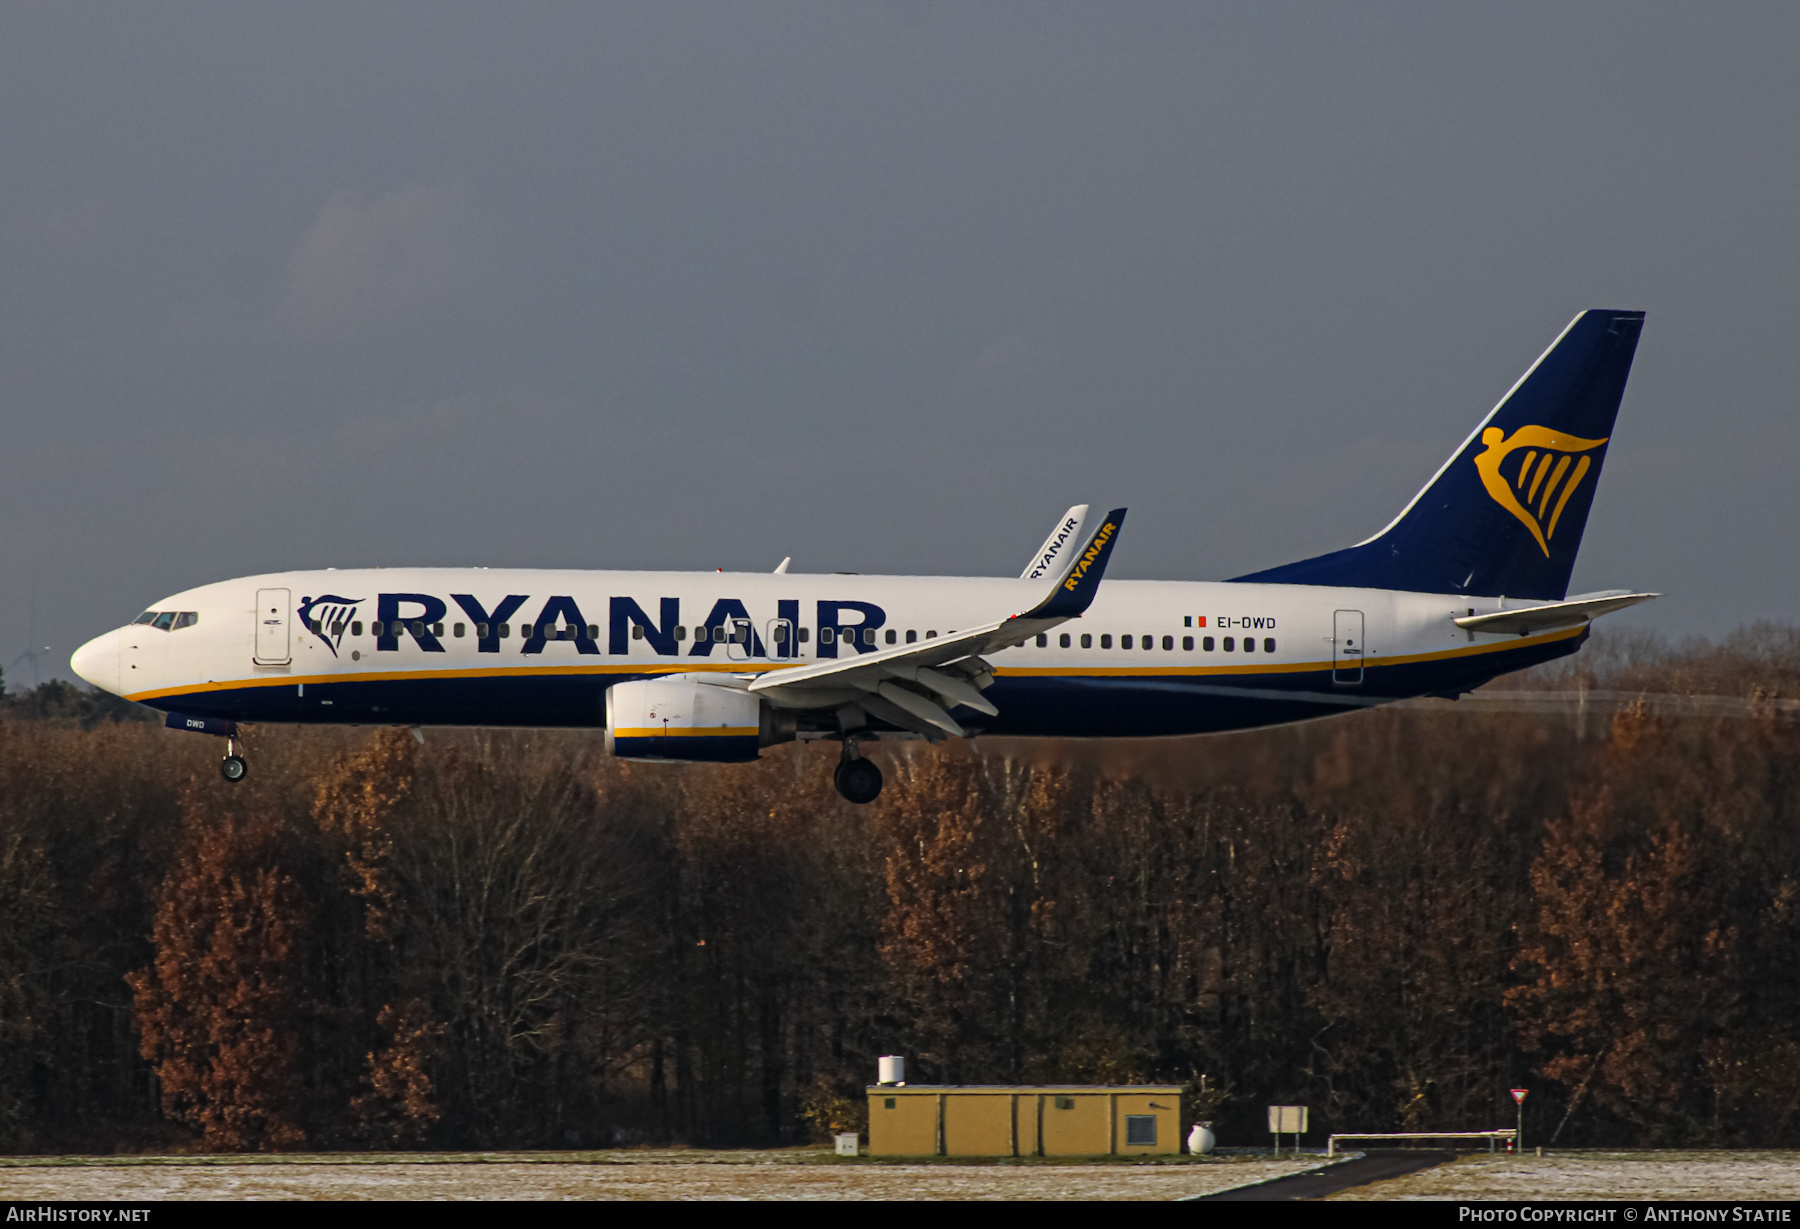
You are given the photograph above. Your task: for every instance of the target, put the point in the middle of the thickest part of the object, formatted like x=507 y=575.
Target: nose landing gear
x=232 y=767
x=857 y=779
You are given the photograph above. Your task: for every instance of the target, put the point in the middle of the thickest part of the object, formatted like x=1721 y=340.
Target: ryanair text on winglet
x=1088 y=556
x=1069 y=526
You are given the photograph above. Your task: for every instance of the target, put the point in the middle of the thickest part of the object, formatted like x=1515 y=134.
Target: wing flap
x=919 y=707
x=954 y=690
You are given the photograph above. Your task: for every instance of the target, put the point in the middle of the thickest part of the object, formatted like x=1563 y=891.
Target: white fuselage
x=538 y=647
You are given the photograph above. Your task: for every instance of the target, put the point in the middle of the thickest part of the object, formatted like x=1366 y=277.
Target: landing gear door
x=1347 y=648
x=272 y=627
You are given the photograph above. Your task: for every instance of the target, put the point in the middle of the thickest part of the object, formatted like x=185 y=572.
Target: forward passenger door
x=272 y=627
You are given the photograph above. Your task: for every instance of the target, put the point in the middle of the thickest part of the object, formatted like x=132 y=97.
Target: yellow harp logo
x=1542 y=481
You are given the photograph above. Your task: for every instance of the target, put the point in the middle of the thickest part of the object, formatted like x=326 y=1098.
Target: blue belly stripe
x=1057 y=706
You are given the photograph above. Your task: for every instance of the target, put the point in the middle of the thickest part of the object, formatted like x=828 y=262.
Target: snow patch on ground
x=622 y=1175
x=1738 y=1176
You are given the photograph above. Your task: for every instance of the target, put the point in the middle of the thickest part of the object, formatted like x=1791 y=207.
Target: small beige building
x=1024 y=1120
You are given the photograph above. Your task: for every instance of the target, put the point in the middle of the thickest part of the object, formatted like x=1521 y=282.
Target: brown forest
x=508 y=940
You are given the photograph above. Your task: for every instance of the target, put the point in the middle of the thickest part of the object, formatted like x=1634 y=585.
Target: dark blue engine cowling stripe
x=1061 y=706
x=724 y=749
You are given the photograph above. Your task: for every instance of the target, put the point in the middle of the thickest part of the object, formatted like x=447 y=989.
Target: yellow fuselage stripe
x=1309 y=667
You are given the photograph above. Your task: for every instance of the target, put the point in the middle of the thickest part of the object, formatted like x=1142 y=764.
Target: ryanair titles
x=1093 y=552
x=427 y=620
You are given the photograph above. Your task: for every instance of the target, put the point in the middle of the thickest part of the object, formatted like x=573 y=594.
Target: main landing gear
x=232 y=767
x=857 y=779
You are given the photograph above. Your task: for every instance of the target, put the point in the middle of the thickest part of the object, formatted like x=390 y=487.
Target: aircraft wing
x=915 y=686
x=1528 y=619
x=1052 y=558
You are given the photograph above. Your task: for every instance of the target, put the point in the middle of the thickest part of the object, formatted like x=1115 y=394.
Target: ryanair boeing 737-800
x=1468 y=582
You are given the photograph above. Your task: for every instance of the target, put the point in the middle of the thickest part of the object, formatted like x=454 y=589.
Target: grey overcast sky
x=883 y=287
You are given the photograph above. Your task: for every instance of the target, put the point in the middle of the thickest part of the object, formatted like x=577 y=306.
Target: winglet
x=1053 y=555
x=1074 y=593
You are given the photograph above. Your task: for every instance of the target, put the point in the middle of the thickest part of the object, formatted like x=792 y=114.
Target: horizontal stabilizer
x=1528 y=619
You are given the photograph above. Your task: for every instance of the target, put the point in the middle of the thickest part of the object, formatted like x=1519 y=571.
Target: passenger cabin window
x=1124 y=642
x=481 y=631
x=637 y=631
x=459 y=629
x=1063 y=640
x=1268 y=644
x=1206 y=643
x=827 y=635
x=912 y=636
x=1043 y=640
x=1168 y=644
x=337 y=629
x=1087 y=640
x=1106 y=641
x=1249 y=644
x=1149 y=642
x=356 y=628
x=506 y=630
x=893 y=637
x=805 y=634
x=1230 y=644
x=1187 y=644
x=931 y=635
x=375 y=626
x=780 y=633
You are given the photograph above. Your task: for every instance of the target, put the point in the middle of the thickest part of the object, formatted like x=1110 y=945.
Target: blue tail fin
x=1504 y=515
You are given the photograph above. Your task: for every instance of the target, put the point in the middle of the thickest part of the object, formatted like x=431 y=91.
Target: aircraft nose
x=97 y=662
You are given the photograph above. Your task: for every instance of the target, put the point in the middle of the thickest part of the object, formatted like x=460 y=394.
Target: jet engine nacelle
x=684 y=718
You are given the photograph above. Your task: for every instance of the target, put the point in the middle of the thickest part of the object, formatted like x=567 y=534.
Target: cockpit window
x=149 y=616
x=164 y=621
x=186 y=618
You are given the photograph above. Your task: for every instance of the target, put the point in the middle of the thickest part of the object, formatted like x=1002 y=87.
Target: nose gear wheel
x=232 y=767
